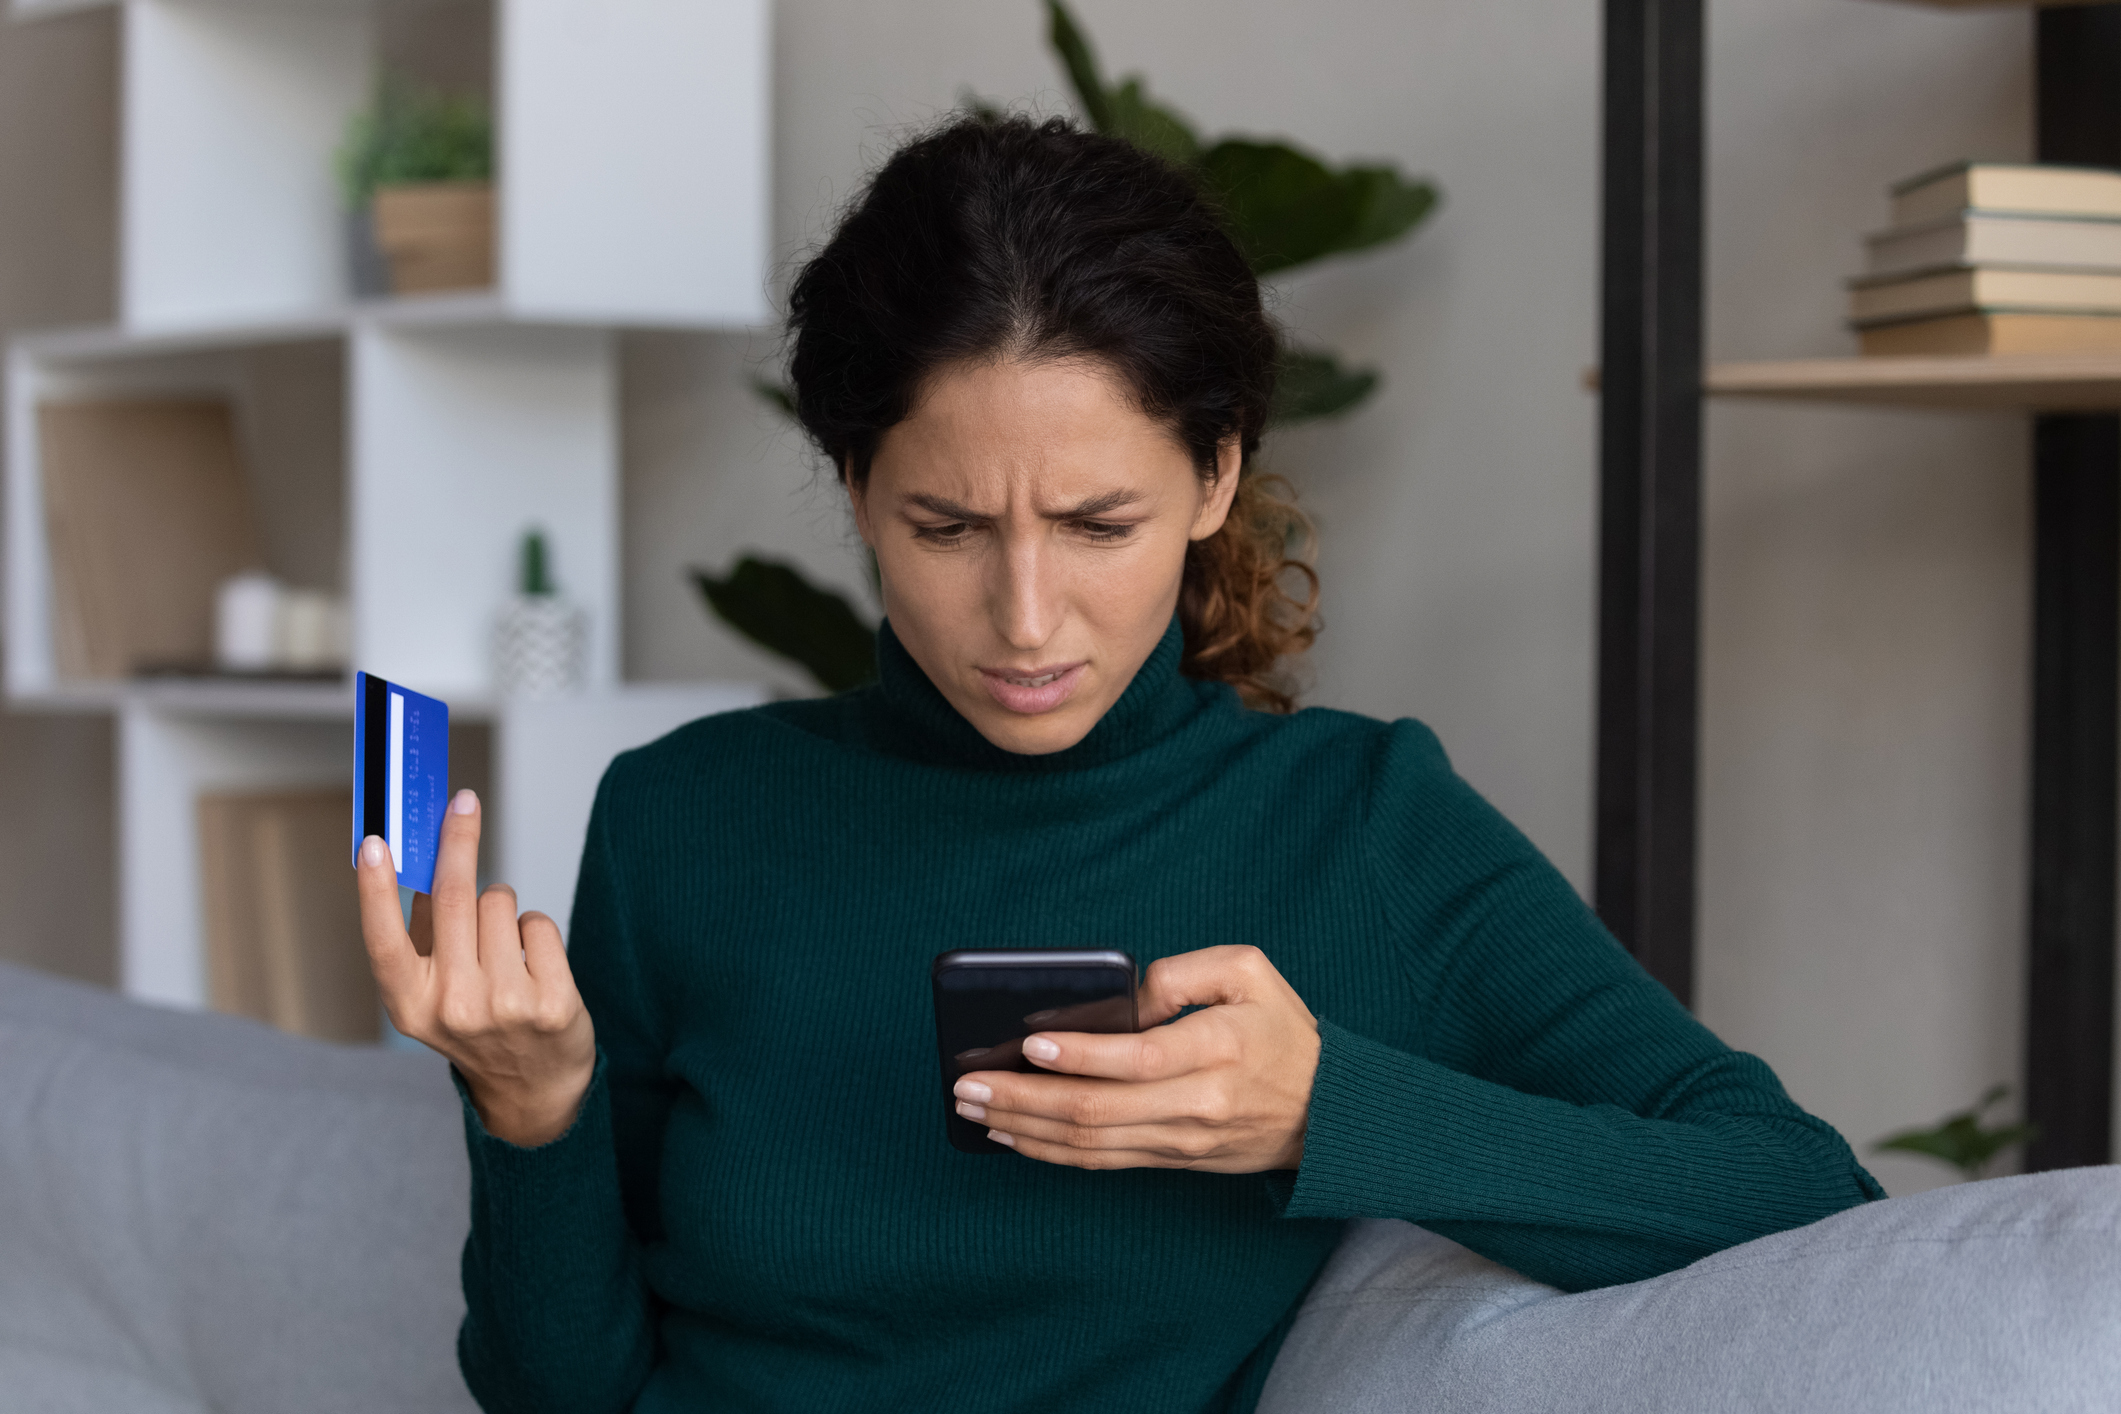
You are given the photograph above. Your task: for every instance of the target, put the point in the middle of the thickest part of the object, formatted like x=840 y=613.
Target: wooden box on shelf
x=436 y=235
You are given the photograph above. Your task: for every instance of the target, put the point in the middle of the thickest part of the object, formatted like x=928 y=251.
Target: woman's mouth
x=1039 y=690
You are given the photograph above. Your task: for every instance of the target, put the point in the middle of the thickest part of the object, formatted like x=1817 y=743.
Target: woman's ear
x=1215 y=506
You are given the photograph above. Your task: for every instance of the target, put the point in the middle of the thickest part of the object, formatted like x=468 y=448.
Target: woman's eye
x=1104 y=530
x=945 y=534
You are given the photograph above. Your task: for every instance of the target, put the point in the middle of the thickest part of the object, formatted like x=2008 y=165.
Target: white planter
x=541 y=646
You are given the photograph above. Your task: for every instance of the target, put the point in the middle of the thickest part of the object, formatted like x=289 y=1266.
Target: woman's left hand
x=1226 y=1089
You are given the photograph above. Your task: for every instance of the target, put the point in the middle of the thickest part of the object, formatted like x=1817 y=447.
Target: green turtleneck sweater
x=757 y=1209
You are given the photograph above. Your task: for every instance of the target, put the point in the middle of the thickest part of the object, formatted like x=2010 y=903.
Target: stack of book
x=1986 y=258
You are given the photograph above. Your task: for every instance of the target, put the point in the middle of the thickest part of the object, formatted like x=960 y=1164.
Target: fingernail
x=466 y=803
x=972 y=1090
x=971 y=1111
x=1039 y=1048
x=1000 y=1138
x=373 y=850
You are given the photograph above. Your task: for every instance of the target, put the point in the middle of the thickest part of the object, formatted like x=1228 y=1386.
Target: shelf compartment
x=287 y=401
x=233 y=111
x=398 y=460
x=2016 y=383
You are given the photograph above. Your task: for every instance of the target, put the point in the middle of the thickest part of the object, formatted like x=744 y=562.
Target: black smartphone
x=986 y=1003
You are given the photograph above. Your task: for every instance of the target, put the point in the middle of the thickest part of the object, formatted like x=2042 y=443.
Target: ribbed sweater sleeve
x=558 y=1314
x=1561 y=1114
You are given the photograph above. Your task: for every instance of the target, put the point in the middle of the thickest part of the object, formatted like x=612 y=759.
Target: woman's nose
x=1025 y=603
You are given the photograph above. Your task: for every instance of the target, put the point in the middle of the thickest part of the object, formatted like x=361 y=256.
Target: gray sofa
x=198 y=1214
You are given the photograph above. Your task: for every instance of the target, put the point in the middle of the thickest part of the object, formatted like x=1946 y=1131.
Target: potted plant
x=417 y=172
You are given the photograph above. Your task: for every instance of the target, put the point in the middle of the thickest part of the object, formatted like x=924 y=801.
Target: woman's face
x=1031 y=526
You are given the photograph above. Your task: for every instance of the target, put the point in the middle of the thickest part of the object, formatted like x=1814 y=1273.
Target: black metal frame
x=1649 y=567
x=2069 y=1001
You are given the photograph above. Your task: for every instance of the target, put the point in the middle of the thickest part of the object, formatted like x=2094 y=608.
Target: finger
x=500 y=944
x=1209 y=977
x=1191 y=1043
x=1091 y=1103
x=1173 y=1141
x=456 y=885
x=1002 y=1055
x=1085 y=1104
x=1084 y=1158
x=390 y=950
x=544 y=951
x=559 y=1004
x=423 y=925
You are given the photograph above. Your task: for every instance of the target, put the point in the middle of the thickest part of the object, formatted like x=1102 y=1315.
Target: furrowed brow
x=951 y=510
x=1097 y=506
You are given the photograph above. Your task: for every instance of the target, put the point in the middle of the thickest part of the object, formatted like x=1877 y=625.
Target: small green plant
x=1960 y=1139
x=534 y=571
x=413 y=134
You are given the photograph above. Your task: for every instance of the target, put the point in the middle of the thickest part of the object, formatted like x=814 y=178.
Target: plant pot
x=436 y=235
x=540 y=646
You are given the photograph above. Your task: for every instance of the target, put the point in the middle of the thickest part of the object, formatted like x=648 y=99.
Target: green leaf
x=1150 y=126
x=776 y=394
x=1310 y=383
x=1960 y=1140
x=1388 y=206
x=1284 y=207
x=775 y=607
x=1073 y=46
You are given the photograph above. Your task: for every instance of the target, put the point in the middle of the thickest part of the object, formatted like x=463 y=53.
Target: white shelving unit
x=397 y=448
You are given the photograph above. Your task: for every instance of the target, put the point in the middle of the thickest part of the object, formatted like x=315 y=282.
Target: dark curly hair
x=1002 y=236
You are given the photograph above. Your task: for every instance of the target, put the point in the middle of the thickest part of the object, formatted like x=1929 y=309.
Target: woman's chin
x=1034 y=733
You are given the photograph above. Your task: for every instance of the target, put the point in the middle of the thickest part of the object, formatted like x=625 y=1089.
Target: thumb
x=391 y=954
x=1209 y=977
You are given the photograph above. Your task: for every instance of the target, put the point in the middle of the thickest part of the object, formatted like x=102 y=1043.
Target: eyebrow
x=1085 y=510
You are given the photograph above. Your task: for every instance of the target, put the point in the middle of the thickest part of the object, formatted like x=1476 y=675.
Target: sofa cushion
x=1984 y=1296
x=200 y=1213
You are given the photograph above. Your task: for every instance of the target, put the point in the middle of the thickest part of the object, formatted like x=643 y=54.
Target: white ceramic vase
x=541 y=646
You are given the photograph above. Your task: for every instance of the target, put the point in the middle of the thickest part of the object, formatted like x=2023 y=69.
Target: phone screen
x=986 y=1003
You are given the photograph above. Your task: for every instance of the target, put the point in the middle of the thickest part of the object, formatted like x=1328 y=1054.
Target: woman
x=714 y=1177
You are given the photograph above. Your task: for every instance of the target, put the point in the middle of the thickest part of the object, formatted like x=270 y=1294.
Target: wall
x=1866 y=600
x=1867 y=596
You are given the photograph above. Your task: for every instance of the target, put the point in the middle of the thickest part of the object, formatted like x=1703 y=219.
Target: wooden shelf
x=2014 y=383
x=1998 y=4
x=266 y=700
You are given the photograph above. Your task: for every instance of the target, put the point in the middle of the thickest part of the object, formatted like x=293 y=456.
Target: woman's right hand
x=487 y=989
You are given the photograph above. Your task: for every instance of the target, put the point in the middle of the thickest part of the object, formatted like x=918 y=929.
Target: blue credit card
x=401 y=775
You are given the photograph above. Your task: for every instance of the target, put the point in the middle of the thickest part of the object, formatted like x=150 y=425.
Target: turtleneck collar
x=914 y=719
